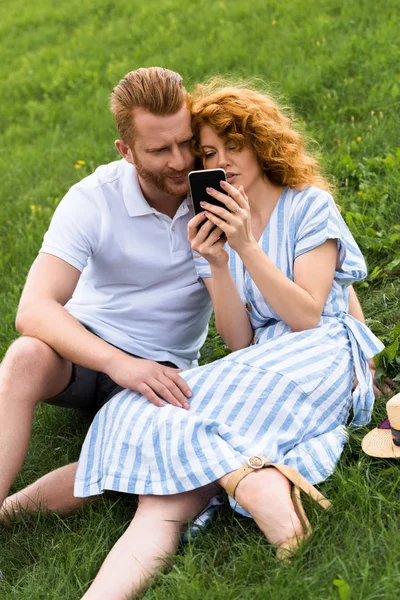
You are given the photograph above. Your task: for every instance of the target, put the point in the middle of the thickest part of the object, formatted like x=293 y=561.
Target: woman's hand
x=207 y=241
x=235 y=220
x=386 y=387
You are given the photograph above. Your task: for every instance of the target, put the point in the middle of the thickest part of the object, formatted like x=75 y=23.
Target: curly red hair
x=250 y=118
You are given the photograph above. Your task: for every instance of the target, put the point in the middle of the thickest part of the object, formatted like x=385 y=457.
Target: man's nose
x=178 y=161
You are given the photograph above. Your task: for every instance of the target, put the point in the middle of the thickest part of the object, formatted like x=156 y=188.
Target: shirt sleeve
x=318 y=219
x=202 y=266
x=75 y=228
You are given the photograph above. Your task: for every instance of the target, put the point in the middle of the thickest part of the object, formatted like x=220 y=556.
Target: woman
x=277 y=262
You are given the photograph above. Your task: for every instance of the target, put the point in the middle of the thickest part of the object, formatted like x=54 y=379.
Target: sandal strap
x=301 y=482
x=253 y=463
x=260 y=461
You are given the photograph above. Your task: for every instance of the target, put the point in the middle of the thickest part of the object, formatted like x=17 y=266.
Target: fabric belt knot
x=364 y=345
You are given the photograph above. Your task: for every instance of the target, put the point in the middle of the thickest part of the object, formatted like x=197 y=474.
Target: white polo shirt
x=138 y=289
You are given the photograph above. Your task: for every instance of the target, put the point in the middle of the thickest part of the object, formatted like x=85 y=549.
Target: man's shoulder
x=104 y=175
x=105 y=184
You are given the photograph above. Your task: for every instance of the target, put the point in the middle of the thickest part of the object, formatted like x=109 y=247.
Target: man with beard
x=112 y=301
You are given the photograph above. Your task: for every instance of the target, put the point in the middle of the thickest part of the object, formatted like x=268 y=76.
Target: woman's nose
x=223 y=160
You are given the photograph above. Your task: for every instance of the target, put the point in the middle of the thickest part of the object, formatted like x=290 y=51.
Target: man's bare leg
x=30 y=372
x=53 y=492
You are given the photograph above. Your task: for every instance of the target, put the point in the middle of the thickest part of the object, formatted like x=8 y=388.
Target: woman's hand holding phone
x=206 y=239
x=221 y=214
x=234 y=220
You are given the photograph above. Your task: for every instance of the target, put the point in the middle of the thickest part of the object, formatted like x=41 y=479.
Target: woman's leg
x=266 y=495
x=147 y=545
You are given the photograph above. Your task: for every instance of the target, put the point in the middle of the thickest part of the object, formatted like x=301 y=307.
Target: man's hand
x=156 y=382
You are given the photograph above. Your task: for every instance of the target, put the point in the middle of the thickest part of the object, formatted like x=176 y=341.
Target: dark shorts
x=89 y=390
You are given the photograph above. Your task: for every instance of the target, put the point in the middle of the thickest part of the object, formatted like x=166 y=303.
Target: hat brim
x=378 y=442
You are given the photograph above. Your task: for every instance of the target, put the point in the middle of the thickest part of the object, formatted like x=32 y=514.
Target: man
x=112 y=301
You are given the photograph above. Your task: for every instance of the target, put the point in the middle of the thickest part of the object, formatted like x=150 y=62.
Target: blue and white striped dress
x=288 y=396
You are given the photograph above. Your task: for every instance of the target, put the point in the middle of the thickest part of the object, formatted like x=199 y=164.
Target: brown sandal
x=288 y=547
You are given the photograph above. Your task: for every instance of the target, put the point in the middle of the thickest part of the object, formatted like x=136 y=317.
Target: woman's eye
x=209 y=154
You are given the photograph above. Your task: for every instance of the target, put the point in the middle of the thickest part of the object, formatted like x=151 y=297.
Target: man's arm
x=41 y=314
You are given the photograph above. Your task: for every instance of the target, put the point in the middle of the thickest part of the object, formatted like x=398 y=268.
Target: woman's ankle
x=266 y=495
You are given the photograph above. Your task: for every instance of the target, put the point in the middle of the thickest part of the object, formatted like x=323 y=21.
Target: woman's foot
x=266 y=495
x=147 y=545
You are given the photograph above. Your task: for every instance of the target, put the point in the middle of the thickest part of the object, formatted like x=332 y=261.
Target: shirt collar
x=135 y=203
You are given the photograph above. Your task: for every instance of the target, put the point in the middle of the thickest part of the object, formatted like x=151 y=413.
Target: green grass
x=338 y=64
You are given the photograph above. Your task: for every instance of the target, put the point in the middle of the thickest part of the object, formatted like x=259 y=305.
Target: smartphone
x=199 y=181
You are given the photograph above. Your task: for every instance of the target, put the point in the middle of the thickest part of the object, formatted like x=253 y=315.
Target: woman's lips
x=230 y=177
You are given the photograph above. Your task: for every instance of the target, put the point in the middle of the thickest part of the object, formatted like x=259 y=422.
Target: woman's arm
x=298 y=303
x=231 y=318
x=355 y=309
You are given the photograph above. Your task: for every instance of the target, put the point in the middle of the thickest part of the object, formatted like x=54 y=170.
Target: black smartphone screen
x=199 y=181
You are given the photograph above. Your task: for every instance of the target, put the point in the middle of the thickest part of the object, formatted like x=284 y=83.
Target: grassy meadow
x=337 y=64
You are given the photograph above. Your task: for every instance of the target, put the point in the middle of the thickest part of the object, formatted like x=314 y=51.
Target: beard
x=161 y=180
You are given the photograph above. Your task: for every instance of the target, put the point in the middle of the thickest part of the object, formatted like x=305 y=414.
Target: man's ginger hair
x=157 y=90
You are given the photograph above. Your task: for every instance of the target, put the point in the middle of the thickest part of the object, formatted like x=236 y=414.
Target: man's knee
x=32 y=359
x=28 y=353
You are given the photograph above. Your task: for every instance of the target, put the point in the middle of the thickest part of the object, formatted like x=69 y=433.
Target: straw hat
x=384 y=440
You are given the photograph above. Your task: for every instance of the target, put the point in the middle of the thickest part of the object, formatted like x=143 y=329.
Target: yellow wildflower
x=372 y=113
x=360 y=194
x=77 y=166
x=33 y=207
x=318 y=43
x=273 y=22
x=345 y=79
x=381 y=114
x=359 y=138
x=352 y=118
x=80 y=162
